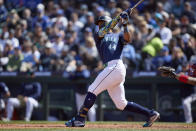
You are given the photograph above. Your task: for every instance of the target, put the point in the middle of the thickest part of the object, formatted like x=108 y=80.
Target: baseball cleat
x=155 y=115
x=75 y=123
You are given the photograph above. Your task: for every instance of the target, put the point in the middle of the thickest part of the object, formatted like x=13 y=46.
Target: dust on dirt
x=98 y=125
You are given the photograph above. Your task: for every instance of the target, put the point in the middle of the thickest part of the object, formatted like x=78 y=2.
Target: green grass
x=158 y=126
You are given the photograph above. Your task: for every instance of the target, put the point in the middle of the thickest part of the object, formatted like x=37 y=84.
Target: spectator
x=174 y=25
x=165 y=32
x=82 y=73
x=187 y=46
x=41 y=18
x=8 y=48
x=186 y=27
x=13 y=39
x=167 y=5
x=90 y=21
x=28 y=61
x=130 y=57
x=111 y=6
x=27 y=16
x=66 y=60
x=3 y=11
x=87 y=33
x=58 y=44
x=163 y=59
x=83 y=13
x=15 y=60
x=77 y=25
x=30 y=93
x=89 y=53
x=189 y=12
x=177 y=8
x=36 y=56
x=161 y=10
x=12 y=19
x=151 y=49
x=39 y=35
x=150 y=20
x=48 y=58
x=178 y=58
x=60 y=20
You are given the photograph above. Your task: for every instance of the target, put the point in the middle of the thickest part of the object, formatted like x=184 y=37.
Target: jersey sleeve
x=96 y=35
x=121 y=39
x=4 y=88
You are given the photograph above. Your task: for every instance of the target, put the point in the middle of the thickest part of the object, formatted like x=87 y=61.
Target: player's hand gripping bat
x=130 y=10
x=125 y=14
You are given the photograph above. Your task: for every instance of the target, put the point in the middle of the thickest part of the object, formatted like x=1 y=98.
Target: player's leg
x=92 y=114
x=2 y=104
x=11 y=103
x=79 y=101
x=104 y=80
x=118 y=96
x=186 y=103
x=30 y=104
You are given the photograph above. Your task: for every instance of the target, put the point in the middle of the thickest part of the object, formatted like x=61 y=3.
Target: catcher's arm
x=170 y=72
x=167 y=71
x=186 y=79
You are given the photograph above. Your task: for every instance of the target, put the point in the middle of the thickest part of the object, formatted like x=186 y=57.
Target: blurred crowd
x=56 y=34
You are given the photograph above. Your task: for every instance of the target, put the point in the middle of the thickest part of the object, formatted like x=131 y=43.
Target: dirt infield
x=98 y=125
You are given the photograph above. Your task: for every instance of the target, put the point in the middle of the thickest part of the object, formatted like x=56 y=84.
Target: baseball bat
x=130 y=10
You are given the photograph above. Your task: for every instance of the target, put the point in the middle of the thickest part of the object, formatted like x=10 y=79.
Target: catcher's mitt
x=167 y=71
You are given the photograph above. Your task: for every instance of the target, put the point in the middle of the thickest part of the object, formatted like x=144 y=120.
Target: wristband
x=183 y=78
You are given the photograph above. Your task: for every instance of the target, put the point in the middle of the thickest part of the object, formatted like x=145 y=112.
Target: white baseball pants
x=14 y=102
x=186 y=102
x=111 y=79
x=79 y=102
x=2 y=104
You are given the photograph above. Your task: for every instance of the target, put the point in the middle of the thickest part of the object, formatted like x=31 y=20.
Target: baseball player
x=28 y=97
x=187 y=91
x=110 y=46
x=4 y=93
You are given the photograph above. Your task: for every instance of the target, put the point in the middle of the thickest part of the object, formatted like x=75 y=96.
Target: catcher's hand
x=167 y=71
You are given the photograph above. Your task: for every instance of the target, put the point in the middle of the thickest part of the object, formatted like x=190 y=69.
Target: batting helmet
x=103 y=18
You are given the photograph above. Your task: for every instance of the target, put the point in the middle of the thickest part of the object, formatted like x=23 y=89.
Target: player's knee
x=10 y=101
x=185 y=102
x=121 y=104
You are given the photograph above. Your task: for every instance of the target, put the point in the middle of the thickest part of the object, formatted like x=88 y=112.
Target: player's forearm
x=109 y=26
x=127 y=34
x=186 y=79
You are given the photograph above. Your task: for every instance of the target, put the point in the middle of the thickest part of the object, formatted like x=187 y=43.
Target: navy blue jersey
x=110 y=46
x=31 y=90
x=3 y=89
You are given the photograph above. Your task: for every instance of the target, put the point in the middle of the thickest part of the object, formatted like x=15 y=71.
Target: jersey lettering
x=110 y=39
